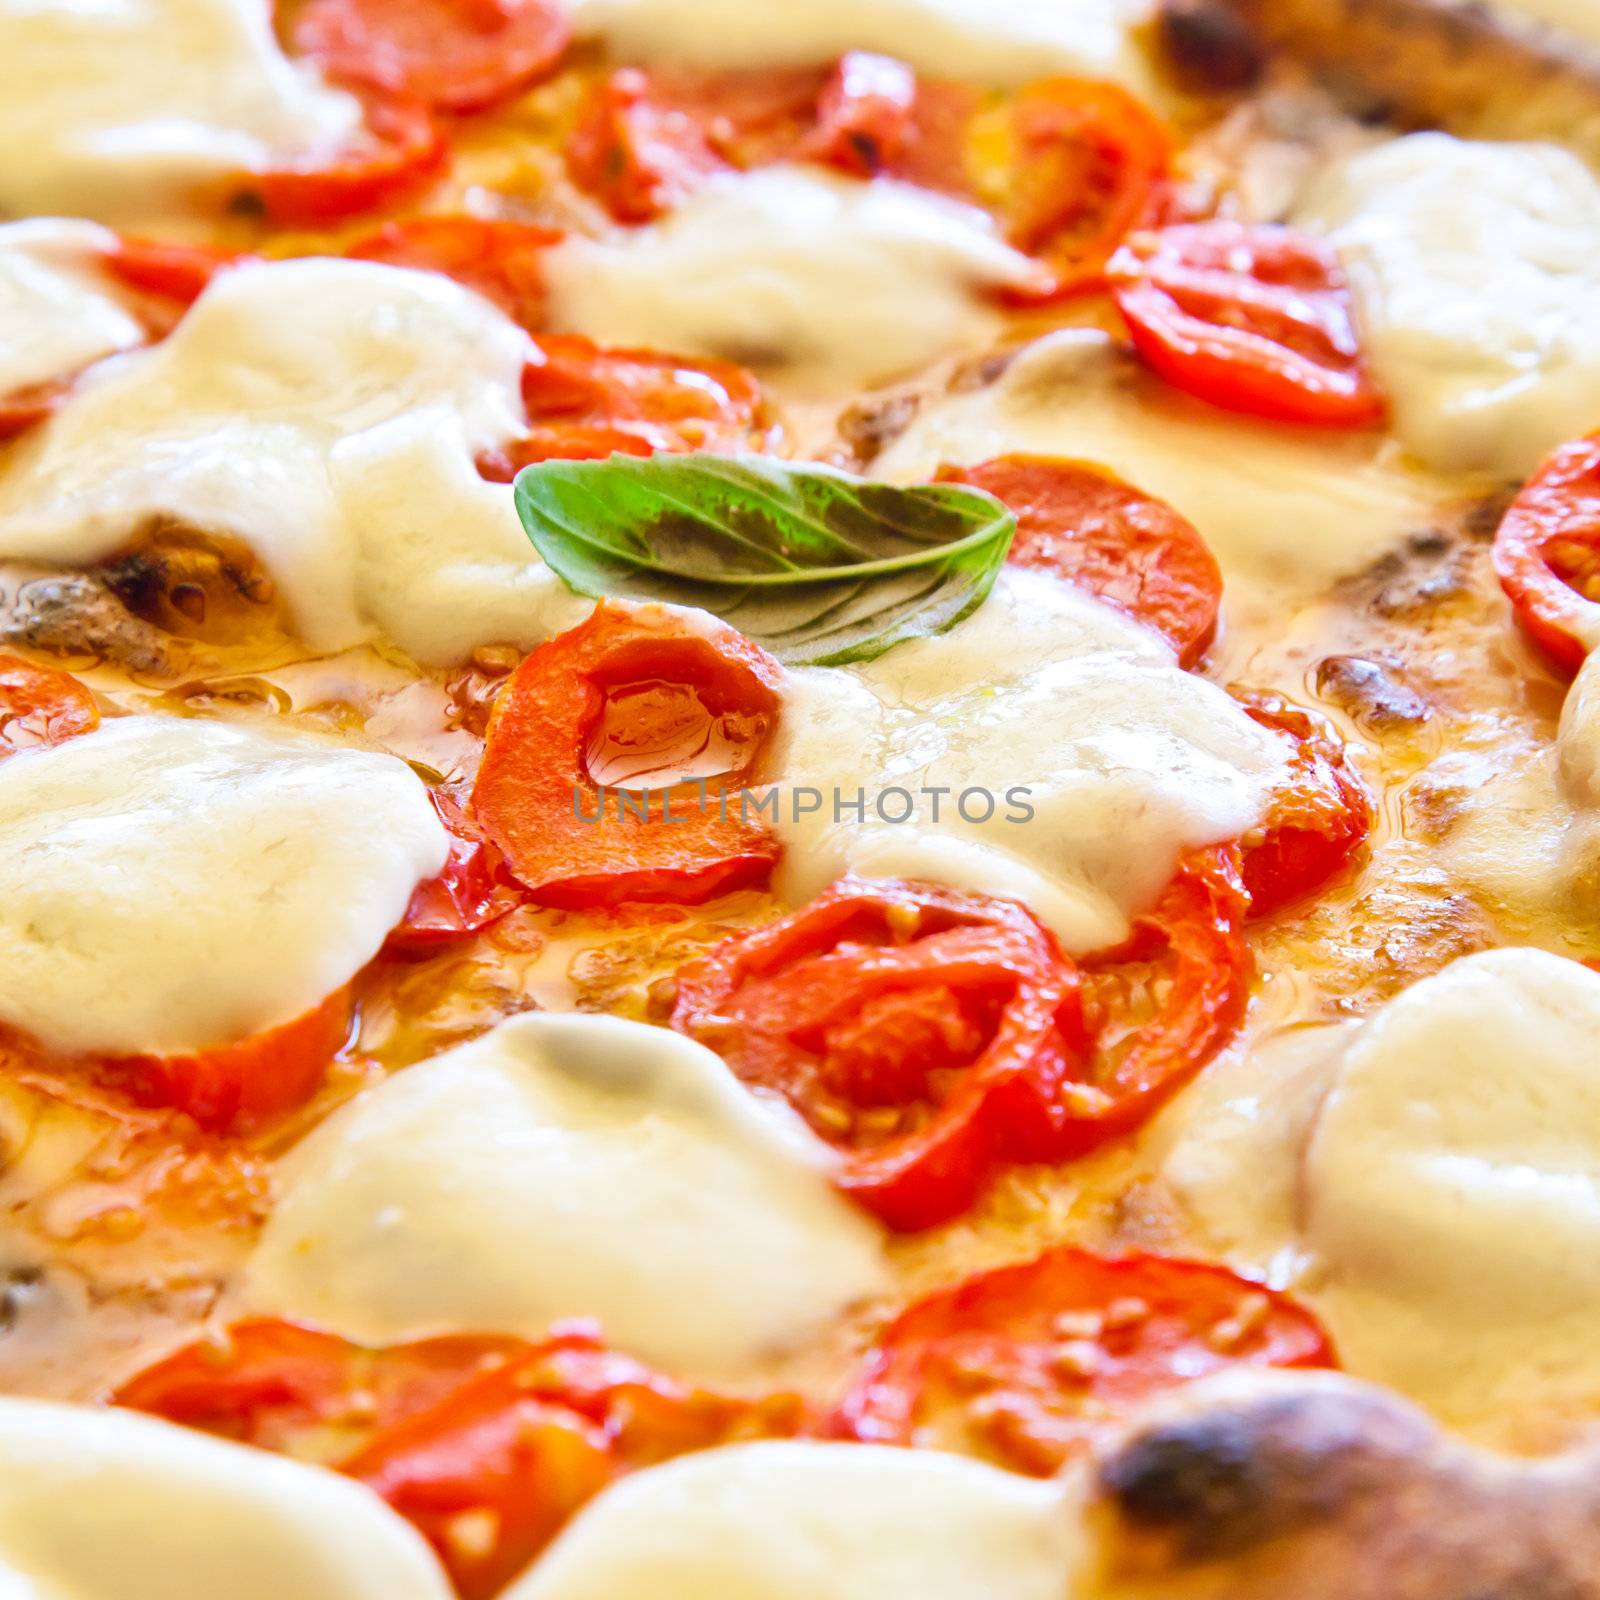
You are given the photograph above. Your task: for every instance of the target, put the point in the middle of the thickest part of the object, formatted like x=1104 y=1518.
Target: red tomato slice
x=586 y=403
x=232 y=1088
x=637 y=156
x=865 y=114
x=486 y=1445
x=176 y=272
x=1123 y=546
x=467 y=895
x=1088 y=159
x=502 y=261
x=399 y=148
x=927 y=1033
x=1028 y=1365
x=1315 y=827
x=41 y=706
x=638 y=689
x=1547 y=553
x=454 y=55
x=1252 y=318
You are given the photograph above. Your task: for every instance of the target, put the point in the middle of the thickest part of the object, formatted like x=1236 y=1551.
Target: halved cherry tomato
x=1547 y=553
x=502 y=261
x=234 y=1087
x=585 y=402
x=1027 y=1365
x=634 y=681
x=1086 y=159
x=864 y=115
x=175 y=272
x=454 y=55
x=467 y=895
x=1252 y=318
x=486 y=1445
x=1123 y=546
x=398 y=148
x=41 y=706
x=928 y=1034
x=637 y=156
x=1313 y=828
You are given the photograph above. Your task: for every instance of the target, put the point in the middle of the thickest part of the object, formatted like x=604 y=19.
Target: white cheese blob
x=970 y=39
x=327 y=414
x=1446 y=1204
x=1476 y=268
x=169 y=883
x=119 y=109
x=790 y=1521
x=58 y=309
x=1126 y=761
x=823 y=282
x=1284 y=511
x=566 y=1166
x=110 y=1505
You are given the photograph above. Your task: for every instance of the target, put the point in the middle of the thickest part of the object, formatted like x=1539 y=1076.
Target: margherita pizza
x=799 y=800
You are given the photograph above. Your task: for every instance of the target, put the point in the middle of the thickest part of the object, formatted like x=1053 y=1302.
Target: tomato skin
x=468 y=894
x=452 y=55
x=1088 y=161
x=399 y=149
x=1547 y=553
x=534 y=781
x=1032 y=1363
x=1252 y=318
x=232 y=1088
x=1315 y=827
x=486 y=1445
x=865 y=115
x=176 y=272
x=502 y=261
x=41 y=706
x=636 y=155
x=1123 y=546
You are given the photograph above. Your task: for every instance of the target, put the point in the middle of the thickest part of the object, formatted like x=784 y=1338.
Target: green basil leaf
x=817 y=565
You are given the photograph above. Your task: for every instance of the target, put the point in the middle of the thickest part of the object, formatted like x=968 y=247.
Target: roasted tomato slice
x=1027 y=1365
x=1315 y=826
x=630 y=700
x=1547 y=553
x=398 y=149
x=926 y=1033
x=175 y=272
x=865 y=114
x=1253 y=318
x=467 y=895
x=635 y=154
x=454 y=55
x=584 y=402
x=486 y=1445
x=1084 y=160
x=502 y=261
x=232 y=1088
x=41 y=706
x=1125 y=547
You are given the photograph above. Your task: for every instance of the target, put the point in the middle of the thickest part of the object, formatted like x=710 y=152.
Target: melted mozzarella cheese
x=1285 y=513
x=109 y=1505
x=1126 y=761
x=58 y=312
x=1446 y=1202
x=814 y=1522
x=969 y=39
x=568 y=1166
x=327 y=414
x=119 y=109
x=825 y=282
x=1477 y=274
x=168 y=883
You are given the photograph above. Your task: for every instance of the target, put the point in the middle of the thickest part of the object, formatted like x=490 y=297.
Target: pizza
x=799 y=799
